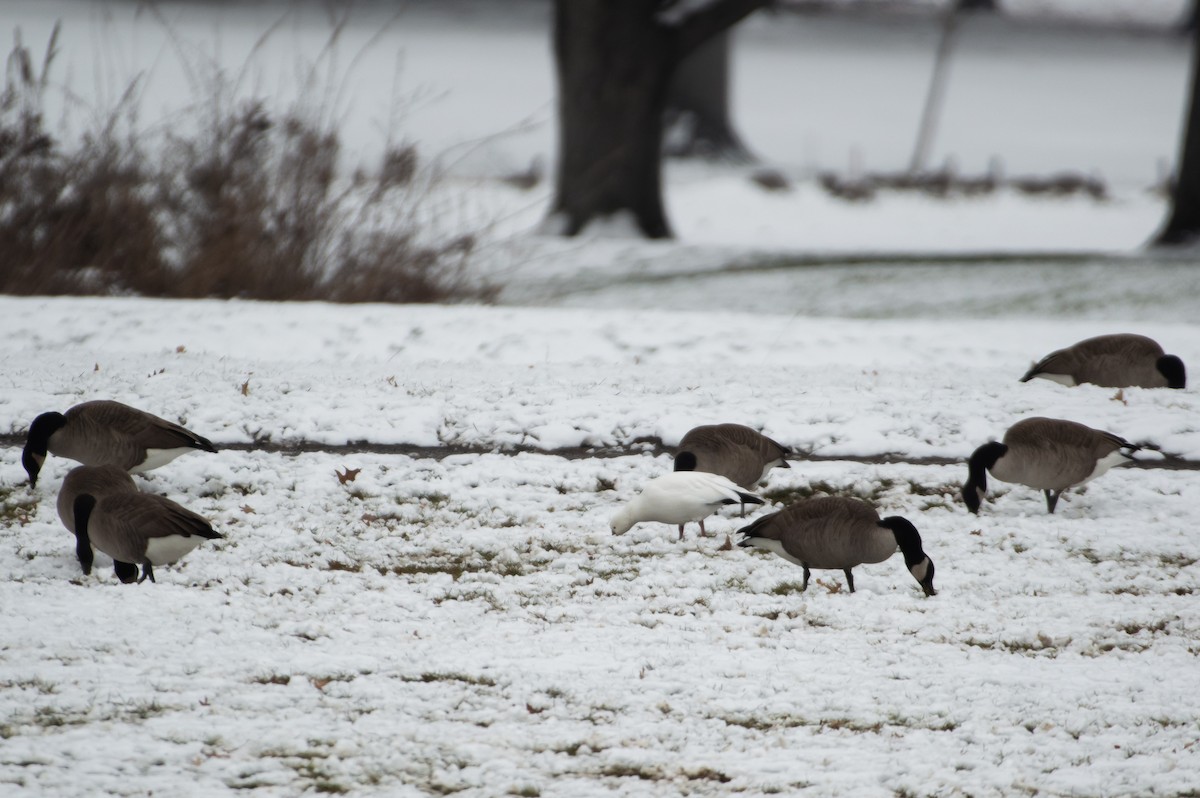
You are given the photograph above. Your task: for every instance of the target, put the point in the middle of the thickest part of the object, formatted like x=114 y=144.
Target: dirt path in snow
x=651 y=446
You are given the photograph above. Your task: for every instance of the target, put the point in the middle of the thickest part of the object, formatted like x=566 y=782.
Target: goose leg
x=849 y=579
x=147 y=572
x=807 y=574
x=83 y=551
x=703 y=533
x=1051 y=499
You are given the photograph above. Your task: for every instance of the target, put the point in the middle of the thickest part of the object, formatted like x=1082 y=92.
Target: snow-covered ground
x=469 y=625
x=466 y=624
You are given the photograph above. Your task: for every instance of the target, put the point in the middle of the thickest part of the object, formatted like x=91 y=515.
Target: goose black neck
x=45 y=425
x=984 y=458
x=83 y=545
x=907 y=538
x=1171 y=367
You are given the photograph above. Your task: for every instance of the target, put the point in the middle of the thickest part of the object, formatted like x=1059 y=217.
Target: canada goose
x=839 y=532
x=1048 y=454
x=1112 y=361
x=100 y=432
x=96 y=481
x=680 y=497
x=736 y=452
x=136 y=529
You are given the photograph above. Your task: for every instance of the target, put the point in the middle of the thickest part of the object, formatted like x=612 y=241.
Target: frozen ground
x=466 y=624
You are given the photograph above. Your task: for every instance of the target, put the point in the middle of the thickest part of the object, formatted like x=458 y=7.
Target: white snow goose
x=679 y=498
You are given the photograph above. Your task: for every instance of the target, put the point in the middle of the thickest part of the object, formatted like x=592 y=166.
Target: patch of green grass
x=455 y=568
x=433 y=498
x=338 y=565
x=36 y=683
x=429 y=677
x=944 y=489
x=775 y=722
x=707 y=774
x=1136 y=628
x=571 y=749
x=819 y=488
x=630 y=771
x=1178 y=560
x=18 y=504
x=476 y=562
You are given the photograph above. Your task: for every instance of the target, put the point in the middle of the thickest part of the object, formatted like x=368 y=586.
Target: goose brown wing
x=161 y=517
x=122 y=524
x=1060 y=361
x=146 y=430
x=832 y=532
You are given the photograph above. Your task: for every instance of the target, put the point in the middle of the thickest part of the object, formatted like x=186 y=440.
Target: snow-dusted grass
x=551 y=378
x=469 y=625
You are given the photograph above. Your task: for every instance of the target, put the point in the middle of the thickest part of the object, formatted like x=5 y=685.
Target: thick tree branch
x=695 y=22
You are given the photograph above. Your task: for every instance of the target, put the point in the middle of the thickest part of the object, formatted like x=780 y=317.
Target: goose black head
x=685 y=461
x=38 y=441
x=127 y=572
x=1171 y=367
x=983 y=459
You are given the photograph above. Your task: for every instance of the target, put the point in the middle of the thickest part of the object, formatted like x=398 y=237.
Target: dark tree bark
x=1187 y=24
x=697 y=117
x=1183 y=226
x=614 y=61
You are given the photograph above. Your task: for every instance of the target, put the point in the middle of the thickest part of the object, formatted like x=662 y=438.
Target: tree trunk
x=613 y=67
x=937 y=91
x=697 y=119
x=614 y=61
x=1183 y=227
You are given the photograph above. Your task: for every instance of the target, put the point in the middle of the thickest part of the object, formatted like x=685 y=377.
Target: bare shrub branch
x=247 y=205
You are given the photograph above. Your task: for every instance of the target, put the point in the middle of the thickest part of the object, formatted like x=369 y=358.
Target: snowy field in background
x=467 y=625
